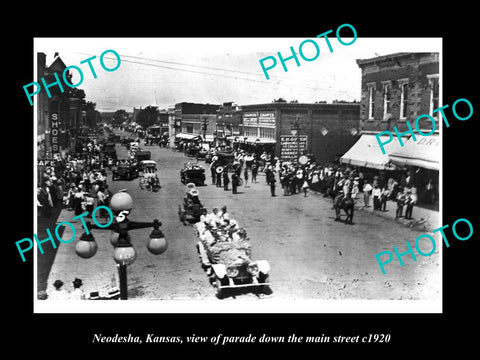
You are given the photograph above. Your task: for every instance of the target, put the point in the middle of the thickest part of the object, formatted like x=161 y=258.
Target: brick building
x=191 y=117
x=326 y=131
x=57 y=115
x=397 y=89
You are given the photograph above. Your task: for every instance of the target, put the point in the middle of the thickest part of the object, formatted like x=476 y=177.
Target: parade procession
x=221 y=202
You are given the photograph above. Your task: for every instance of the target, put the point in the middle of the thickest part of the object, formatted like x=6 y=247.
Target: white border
x=267 y=305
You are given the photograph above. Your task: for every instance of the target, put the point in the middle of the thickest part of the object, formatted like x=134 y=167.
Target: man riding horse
x=343 y=199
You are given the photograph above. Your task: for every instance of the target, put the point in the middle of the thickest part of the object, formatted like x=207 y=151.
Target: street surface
x=311 y=256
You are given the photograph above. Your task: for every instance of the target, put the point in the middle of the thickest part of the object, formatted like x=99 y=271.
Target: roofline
x=388 y=57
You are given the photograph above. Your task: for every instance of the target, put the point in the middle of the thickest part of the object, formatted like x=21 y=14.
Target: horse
x=345 y=203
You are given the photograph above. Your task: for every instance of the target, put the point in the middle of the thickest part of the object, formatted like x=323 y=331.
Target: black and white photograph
x=227 y=175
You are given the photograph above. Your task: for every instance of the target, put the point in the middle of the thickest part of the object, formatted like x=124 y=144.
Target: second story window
x=403 y=84
x=371 y=101
x=387 y=87
x=434 y=94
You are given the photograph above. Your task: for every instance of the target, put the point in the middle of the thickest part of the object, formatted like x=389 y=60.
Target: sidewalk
x=98 y=273
x=422 y=219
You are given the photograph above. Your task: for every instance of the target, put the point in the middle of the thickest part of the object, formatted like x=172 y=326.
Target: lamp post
x=124 y=253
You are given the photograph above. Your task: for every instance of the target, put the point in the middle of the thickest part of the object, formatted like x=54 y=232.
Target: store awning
x=251 y=139
x=426 y=153
x=187 y=136
x=366 y=152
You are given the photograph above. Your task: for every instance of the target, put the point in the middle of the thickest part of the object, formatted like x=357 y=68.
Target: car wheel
x=265 y=288
x=219 y=292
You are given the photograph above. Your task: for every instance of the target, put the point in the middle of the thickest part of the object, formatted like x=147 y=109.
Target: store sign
x=266 y=119
x=54 y=132
x=250 y=118
x=46 y=162
x=289 y=148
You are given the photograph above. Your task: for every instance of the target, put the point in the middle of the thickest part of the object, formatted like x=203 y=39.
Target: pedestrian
x=376 y=193
x=410 y=200
x=367 y=191
x=77 y=293
x=219 y=176
x=254 y=171
x=235 y=182
x=77 y=200
x=305 y=188
x=272 y=186
x=383 y=198
x=400 y=202
x=59 y=293
x=245 y=175
x=213 y=172
x=226 y=180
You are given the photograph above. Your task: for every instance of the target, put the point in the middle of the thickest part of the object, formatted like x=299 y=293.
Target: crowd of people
x=373 y=188
x=75 y=181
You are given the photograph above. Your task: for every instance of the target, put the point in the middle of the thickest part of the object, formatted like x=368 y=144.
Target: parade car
x=192 y=173
x=147 y=170
x=226 y=257
x=125 y=172
x=192 y=208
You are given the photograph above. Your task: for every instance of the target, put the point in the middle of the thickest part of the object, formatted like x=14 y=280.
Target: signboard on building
x=290 y=149
x=54 y=133
x=250 y=118
x=266 y=119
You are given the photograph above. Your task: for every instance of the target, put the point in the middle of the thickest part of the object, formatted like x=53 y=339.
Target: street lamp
x=124 y=253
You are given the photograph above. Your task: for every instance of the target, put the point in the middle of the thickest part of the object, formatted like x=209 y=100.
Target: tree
x=148 y=116
x=280 y=99
x=92 y=115
x=119 y=117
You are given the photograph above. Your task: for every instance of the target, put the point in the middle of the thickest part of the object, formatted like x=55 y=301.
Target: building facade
x=195 y=118
x=398 y=88
x=54 y=123
x=325 y=131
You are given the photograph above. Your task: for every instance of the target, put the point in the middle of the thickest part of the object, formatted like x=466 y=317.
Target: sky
x=165 y=71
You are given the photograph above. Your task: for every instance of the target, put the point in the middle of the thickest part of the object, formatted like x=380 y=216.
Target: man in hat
x=223 y=215
x=235 y=182
x=77 y=293
x=226 y=180
x=58 y=293
x=219 y=176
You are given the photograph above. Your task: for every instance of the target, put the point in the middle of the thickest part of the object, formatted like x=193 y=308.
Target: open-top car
x=225 y=254
x=192 y=173
x=125 y=172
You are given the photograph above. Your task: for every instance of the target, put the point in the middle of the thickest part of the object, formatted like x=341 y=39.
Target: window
x=386 y=100
x=434 y=94
x=268 y=133
x=250 y=131
x=403 y=84
x=371 y=101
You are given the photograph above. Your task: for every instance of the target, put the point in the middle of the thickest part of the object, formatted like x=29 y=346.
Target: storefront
x=422 y=159
x=366 y=153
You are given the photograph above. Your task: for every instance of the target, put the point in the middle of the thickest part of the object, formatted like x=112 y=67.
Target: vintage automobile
x=109 y=150
x=125 y=172
x=143 y=155
x=226 y=257
x=191 y=209
x=147 y=170
x=223 y=158
x=192 y=173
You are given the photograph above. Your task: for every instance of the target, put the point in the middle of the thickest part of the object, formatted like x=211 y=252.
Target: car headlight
x=252 y=268
x=232 y=271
